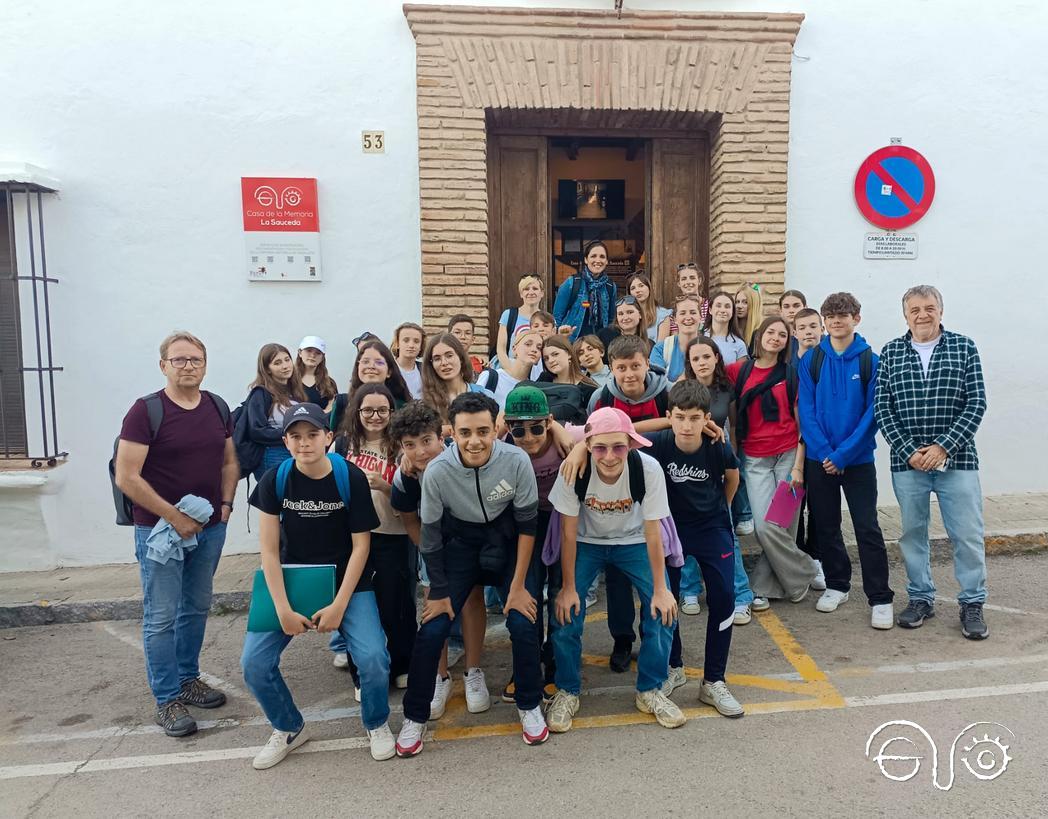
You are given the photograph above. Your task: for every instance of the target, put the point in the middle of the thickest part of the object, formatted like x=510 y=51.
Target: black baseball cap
x=310 y=413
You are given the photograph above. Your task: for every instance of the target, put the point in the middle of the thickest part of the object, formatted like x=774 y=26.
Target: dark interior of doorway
x=607 y=178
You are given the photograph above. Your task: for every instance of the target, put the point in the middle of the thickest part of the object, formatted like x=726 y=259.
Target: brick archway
x=660 y=65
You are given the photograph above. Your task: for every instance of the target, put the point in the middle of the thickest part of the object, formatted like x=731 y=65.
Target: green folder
x=309 y=589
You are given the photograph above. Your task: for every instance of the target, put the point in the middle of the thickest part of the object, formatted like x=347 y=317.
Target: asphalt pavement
x=77 y=738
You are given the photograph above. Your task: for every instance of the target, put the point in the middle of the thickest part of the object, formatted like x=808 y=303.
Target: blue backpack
x=339 y=467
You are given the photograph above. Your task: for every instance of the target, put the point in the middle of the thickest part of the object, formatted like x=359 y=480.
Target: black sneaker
x=619 y=661
x=175 y=719
x=973 y=626
x=915 y=613
x=199 y=693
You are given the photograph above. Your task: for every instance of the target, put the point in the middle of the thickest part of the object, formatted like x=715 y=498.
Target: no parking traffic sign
x=894 y=187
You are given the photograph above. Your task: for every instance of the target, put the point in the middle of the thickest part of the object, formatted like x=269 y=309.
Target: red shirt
x=765 y=439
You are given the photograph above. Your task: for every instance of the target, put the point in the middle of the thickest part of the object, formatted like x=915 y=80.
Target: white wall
x=149 y=114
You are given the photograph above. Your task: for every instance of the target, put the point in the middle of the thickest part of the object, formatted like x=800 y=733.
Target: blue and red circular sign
x=894 y=187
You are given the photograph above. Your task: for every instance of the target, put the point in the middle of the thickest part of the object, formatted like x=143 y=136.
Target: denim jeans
x=176 y=597
x=462 y=568
x=960 y=501
x=361 y=629
x=654 y=656
x=740 y=504
x=859 y=483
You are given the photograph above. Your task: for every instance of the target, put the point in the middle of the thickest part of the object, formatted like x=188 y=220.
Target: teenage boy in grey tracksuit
x=478 y=512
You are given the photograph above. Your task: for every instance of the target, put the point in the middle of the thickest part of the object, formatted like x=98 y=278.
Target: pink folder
x=784 y=505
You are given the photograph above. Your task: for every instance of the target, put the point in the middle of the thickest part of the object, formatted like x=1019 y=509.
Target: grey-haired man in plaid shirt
x=930 y=401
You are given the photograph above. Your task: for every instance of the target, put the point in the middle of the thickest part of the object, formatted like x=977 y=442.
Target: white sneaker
x=280 y=744
x=665 y=711
x=409 y=740
x=400 y=681
x=718 y=695
x=440 y=698
x=340 y=660
x=882 y=616
x=830 y=600
x=533 y=725
x=819 y=583
x=690 y=605
x=455 y=653
x=760 y=604
x=356 y=693
x=383 y=746
x=742 y=615
x=675 y=680
x=591 y=596
x=478 y=700
x=744 y=527
x=560 y=712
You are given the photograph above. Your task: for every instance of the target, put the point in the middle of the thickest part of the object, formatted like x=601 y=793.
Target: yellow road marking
x=596 y=617
x=817 y=682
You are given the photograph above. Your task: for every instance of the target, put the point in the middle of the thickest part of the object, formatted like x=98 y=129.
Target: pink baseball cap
x=611 y=419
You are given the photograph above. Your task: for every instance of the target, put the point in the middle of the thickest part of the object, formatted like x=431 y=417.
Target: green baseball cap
x=526 y=404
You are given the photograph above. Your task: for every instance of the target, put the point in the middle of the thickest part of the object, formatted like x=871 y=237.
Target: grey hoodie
x=475 y=495
x=654 y=383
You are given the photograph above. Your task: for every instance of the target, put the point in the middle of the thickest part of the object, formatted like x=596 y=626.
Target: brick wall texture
x=474 y=59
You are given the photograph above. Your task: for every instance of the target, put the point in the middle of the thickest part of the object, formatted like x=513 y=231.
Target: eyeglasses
x=627 y=300
x=602 y=450
x=181 y=362
x=521 y=431
x=378 y=363
x=440 y=359
x=371 y=412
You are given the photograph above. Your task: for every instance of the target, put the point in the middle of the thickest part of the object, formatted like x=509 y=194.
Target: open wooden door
x=518 y=220
x=679 y=211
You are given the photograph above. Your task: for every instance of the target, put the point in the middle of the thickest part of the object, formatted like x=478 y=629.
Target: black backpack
x=492 y=380
x=249 y=453
x=637 y=486
x=155 y=409
x=567 y=402
x=511 y=322
x=818 y=355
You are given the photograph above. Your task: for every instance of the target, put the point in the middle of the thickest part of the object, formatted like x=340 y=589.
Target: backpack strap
x=282 y=472
x=511 y=322
x=576 y=288
x=492 y=382
x=866 y=368
x=340 y=469
x=662 y=402
x=155 y=410
x=582 y=483
x=791 y=386
x=638 y=488
x=668 y=344
x=220 y=405
x=606 y=399
x=815 y=359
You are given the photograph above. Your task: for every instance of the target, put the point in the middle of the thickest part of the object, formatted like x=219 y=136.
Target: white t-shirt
x=413 y=378
x=609 y=516
x=925 y=349
x=502 y=389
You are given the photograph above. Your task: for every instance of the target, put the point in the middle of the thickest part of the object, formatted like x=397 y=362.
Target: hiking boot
x=383 y=746
x=478 y=700
x=973 y=626
x=665 y=711
x=175 y=719
x=915 y=613
x=830 y=600
x=619 y=661
x=718 y=695
x=533 y=726
x=674 y=680
x=561 y=710
x=199 y=693
x=280 y=744
x=409 y=740
x=440 y=698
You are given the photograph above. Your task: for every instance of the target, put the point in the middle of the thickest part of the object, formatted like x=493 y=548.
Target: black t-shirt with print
x=316 y=526
x=694 y=481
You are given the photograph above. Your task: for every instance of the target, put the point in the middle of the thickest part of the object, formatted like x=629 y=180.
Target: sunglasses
x=627 y=300
x=521 y=431
x=365 y=336
x=602 y=450
x=687 y=265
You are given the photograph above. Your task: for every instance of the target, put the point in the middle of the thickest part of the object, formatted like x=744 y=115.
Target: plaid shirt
x=944 y=407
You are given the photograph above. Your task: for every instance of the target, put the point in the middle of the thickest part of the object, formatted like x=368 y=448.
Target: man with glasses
x=177 y=443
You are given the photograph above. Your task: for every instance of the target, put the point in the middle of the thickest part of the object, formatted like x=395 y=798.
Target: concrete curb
x=227 y=602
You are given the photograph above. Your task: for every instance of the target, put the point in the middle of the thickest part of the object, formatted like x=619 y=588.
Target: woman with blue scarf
x=586 y=303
